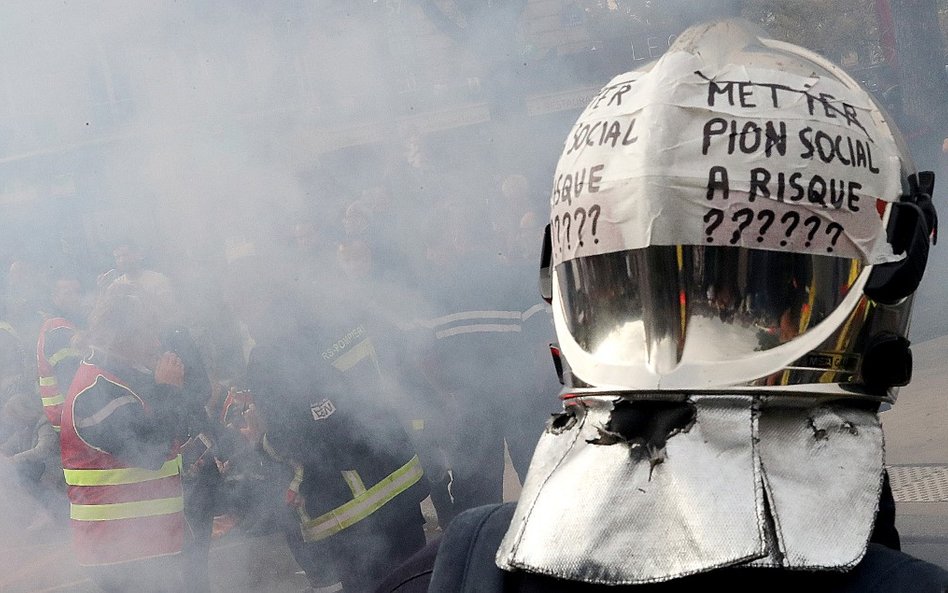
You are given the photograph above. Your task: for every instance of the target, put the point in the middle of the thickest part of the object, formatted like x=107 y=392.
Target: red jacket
x=119 y=512
x=50 y=390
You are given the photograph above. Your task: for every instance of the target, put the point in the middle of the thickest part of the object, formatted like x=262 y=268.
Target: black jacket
x=328 y=420
x=464 y=563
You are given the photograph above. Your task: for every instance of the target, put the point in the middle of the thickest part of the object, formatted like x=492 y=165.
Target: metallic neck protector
x=614 y=496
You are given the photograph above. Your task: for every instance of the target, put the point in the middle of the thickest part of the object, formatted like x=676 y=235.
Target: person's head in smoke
x=129 y=257
x=263 y=301
x=355 y=259
x=736 y=189
x=66 y=294
x=26 y=284
x=125 y=325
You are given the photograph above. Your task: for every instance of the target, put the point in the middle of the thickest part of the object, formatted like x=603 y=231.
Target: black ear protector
x=886 y=362
x=546 y=267
x=912 y=225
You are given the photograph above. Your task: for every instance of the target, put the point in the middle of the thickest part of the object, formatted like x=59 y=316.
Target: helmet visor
x=662 y=306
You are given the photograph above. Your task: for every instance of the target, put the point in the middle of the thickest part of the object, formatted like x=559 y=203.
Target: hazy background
x=243 y=138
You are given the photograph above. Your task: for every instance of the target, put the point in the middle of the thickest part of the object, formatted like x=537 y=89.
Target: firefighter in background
x=479 y=362
x=13 y=361
x=31 y=446
x=122 y=423
x=130 y=269
x=398 y=351
x=202 y=448
x=357 y=481
x=14 y=383
x=56 y=356
x=694 y=452
x=26 y=438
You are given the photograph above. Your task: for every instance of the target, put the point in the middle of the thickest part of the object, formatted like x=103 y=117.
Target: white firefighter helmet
x=736 y=233
x=740 y=214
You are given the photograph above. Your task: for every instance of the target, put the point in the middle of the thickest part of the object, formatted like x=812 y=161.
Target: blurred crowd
x=323 y=386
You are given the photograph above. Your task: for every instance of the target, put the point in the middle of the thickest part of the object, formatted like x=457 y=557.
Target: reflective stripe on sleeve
x=54 y=400
x=298 y=475
x=477 y=329
x=63 y=354
x=126 y=510
x=116 y=477
x=533 y=311
x=468 y=315
x=268 y=448
x=47 y=381
x=364 y=349
x=106 y=411
x=354 y=481
x=364 y=505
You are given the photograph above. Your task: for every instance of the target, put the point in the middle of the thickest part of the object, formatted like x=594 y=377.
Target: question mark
x=839 y=231
x=579 y=231
x=557 y=234
x=594 y=213
x=718 y=215
x=814 y=227
x=795 y=220
x=770 y=216
x=567 y=224
x=748 y=215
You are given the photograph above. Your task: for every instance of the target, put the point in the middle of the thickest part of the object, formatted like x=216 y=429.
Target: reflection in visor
x=663 y=305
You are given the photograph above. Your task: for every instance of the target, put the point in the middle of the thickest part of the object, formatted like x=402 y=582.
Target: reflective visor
x=663 y=307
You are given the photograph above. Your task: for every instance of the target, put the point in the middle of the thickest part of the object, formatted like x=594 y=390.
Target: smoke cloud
x=366 y=167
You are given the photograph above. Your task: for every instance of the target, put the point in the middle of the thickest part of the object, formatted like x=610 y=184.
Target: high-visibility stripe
x=106 y=411
x=268 y=448
x=354 y=481
x=117 y=477
x=533 y=311
x=48 y=381
x=334 y=588
x=484 y=328
x=54 y=400
x=4 y=326
x=364 y=505
x=362 y=350
x=63 y=354
x=418 y=424
x=468 y=315
x=126 y=510
x=298 y=475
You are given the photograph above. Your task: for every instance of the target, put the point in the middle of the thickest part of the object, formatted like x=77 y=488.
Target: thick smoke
x=345 y=164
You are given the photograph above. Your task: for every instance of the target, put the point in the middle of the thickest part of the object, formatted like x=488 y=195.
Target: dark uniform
x=200 y=476
x=357 y=482
x=492 y=346
x=476 y=337
x=465 y=564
